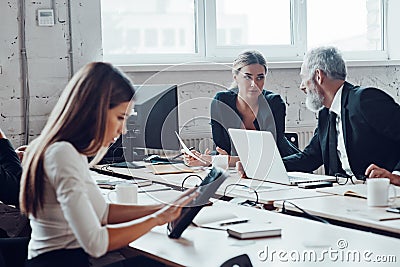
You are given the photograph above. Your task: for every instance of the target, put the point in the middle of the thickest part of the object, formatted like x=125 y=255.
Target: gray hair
x=246 y=58
x=328 y=59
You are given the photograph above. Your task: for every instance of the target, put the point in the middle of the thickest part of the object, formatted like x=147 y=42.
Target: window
x=180 y=31
x=361 y=32
x=154 y=23
x=253 y=22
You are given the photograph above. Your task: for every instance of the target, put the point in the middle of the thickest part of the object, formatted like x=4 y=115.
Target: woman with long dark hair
x=69 y=216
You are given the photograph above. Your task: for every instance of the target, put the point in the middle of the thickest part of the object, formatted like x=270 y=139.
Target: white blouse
x=74 y=211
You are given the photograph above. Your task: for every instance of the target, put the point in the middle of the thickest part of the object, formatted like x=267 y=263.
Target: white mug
x=125 y=194
x=378 y=192
x=221 y=161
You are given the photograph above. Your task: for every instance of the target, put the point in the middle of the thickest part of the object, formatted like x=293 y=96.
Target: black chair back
x=238 y=261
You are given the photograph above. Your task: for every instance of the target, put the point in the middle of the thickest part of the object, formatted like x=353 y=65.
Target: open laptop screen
x=261 y=160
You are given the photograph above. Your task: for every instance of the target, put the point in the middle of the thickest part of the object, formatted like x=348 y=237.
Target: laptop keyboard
x=294 y=178
x=308 y=177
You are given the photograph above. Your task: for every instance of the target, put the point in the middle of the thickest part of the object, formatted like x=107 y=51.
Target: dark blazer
x=270 y=117
x=10 y=173
x=371 y=127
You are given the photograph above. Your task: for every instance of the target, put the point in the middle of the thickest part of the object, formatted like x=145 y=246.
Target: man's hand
x=373 y=171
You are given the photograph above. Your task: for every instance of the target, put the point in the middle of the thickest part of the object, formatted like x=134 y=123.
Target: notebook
x=353 y=190
x=253 y=230
x=261 y=160
x=357 y=190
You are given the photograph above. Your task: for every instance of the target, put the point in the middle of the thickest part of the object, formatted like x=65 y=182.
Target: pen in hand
x=234 y=222
x=177 y=156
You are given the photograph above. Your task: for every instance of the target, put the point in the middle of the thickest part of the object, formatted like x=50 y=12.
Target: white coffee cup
x=221 y=161
x=378 y=192
x=125 y=194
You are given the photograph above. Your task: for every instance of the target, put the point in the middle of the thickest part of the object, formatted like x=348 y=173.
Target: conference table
x=348 y=211
x=303 y=242
x=267 y=192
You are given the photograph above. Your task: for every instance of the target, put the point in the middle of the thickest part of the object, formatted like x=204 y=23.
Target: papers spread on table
x=169 y=168
x=253 y=230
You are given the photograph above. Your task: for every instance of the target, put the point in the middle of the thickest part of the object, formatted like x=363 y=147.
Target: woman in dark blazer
x=247 y=106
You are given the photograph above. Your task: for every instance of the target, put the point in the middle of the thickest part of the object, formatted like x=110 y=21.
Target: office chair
x=293 y=138
x=239 y=261
x=136 y=261
x=13 y=251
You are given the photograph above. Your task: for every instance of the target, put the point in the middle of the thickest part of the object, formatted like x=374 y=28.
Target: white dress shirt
x=74 y=211
x=336 y=107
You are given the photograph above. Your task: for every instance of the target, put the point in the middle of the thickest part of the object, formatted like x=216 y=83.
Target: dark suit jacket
x=371 y=127
x=10 y=173
x=270 y=117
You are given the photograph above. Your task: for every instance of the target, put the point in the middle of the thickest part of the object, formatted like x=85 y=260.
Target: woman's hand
x=20 y=152
x=172 y=211
x=221 y=151
x=193 y=162
x=240 y=169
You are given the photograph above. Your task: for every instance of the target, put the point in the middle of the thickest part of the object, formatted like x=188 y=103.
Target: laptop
x=261 y=159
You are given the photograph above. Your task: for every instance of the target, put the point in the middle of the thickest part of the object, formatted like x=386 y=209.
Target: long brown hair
x=79 y=117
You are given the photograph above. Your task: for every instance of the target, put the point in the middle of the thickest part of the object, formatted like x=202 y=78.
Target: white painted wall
x=49 y=69
x=197 y=89
x=48 y=53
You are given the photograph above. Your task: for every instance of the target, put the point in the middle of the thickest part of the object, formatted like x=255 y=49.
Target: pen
x=177 y=156
x=234 y=222
x=155 y=190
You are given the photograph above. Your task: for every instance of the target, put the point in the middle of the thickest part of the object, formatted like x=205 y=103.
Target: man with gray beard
x=358 y=127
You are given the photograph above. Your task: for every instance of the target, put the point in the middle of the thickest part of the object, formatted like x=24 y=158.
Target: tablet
x=207 y=188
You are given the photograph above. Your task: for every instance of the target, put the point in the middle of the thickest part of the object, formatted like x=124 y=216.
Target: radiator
x=202 y=141
x=304 y=135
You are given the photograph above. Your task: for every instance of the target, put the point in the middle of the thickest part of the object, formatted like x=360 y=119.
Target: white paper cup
x=221 y=161
x=378 y=192
x=125 y=194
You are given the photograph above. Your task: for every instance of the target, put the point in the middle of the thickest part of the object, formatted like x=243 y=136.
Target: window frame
x=208 y=51
x=292 y=52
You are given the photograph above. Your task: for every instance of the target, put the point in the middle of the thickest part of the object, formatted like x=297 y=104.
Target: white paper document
x=187 y=151
x=215 y=218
